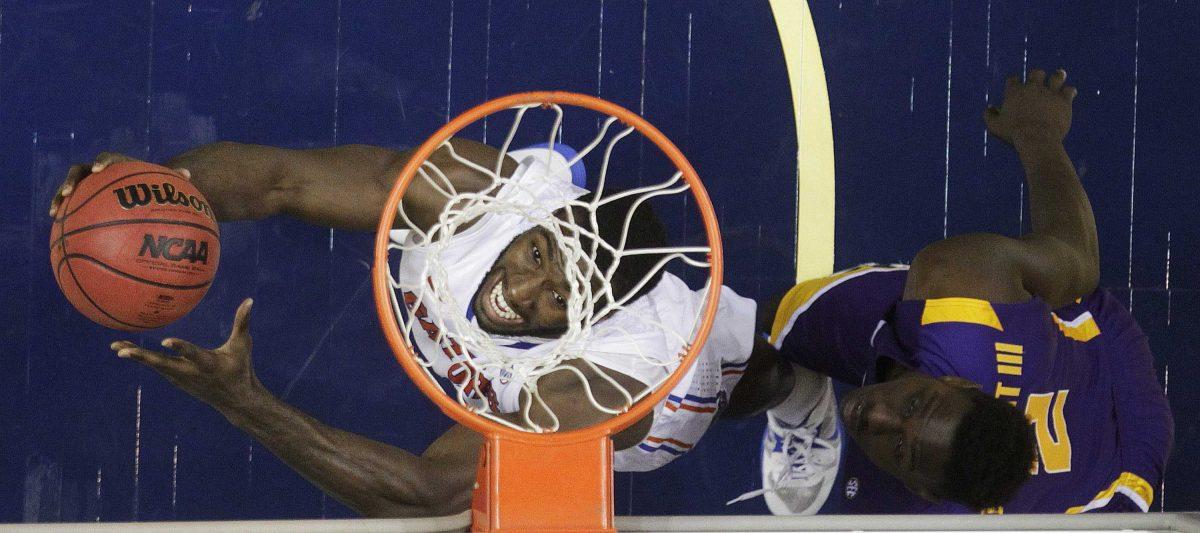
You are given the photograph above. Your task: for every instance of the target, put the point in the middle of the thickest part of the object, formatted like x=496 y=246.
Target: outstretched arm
x=373 y=478
x=342 y=187
x=1059 y=260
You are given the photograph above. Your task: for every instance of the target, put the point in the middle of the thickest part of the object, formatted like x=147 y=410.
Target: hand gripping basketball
x=83 y=170
x=135 y=246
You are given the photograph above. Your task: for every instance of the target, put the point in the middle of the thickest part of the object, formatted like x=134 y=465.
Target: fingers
x=78 y=172
x=187 y=174
x=240 y=337
x=990 y=114
x=107 y=158
x=1057 y=79
x=203 y=359
x=74 y=174
x=1056 y=82
x=182 y=348
x=160 y=362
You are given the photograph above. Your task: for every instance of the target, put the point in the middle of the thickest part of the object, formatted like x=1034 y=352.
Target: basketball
x=135 y=246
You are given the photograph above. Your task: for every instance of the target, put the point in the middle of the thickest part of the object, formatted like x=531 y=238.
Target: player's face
x=906 y=426
x=526 y=291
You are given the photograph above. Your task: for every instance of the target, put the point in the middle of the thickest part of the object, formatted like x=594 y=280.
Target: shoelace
x=805 y=467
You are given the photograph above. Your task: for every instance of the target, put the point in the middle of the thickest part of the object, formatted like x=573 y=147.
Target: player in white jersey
x=634 y=342
x=515 y=285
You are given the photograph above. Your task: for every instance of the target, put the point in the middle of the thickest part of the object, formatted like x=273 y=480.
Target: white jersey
x=636 y=341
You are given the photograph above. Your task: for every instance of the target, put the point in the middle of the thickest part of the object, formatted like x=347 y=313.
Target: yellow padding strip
x=968 y=310
x=814 y=138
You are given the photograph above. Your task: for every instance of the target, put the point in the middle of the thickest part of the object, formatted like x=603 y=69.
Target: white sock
x=808 y=404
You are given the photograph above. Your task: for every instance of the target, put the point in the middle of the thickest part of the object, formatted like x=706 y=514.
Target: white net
x=495 y=375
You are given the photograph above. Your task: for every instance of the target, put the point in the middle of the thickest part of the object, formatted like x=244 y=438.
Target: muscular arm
x=377 y=479
x=341 y=187
x=1059 y=260
x=373 y=478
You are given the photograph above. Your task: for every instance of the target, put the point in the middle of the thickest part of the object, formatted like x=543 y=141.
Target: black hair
x=991 y=455
x=645 y=231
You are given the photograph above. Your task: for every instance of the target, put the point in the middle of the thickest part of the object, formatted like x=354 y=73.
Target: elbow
x=419 y=497
x=430 y=507
x=1087 y=273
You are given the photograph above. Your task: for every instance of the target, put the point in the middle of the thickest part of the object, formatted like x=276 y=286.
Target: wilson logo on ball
x=141 y=194
x=174 y=249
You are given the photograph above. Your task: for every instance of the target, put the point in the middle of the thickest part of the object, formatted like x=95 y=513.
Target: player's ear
x=958 y=381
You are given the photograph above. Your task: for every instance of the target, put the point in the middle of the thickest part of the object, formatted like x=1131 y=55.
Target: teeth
x=500 y=305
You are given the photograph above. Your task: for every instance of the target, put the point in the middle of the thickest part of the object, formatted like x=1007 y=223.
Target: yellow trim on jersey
x=968 y=310
x=1129 y=484
x=1012 y=370
x=814 y=138
x=798 y=298
x=1010 y=348
x=1009 y=359
x=1082 y=329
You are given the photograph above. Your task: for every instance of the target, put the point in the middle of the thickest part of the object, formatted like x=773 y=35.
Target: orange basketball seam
x=82 y=291
x=62 y=220
x=127 y=275
x=164 y=221
x=79 y=288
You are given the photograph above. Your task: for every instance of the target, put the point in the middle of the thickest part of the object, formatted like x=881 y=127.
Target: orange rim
x=384 y=294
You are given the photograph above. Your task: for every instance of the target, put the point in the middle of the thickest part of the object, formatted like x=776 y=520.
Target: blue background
x=85 y=436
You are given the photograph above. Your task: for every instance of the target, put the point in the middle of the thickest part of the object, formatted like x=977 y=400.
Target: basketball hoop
x=537 y=476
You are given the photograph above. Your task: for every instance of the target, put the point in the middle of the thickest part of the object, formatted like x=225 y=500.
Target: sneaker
x=798 y=467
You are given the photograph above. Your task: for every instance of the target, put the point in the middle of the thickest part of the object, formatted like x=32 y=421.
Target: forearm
x=1058 y=205
x=342 y=187
x=373 y=478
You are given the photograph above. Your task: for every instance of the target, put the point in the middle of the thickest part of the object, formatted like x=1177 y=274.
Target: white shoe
x=798 y=467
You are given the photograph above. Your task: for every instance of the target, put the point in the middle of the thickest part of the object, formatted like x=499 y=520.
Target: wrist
x=1036 y=140
x=239 y=405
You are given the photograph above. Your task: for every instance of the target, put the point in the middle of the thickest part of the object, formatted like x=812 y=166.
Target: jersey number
x=1054 y=450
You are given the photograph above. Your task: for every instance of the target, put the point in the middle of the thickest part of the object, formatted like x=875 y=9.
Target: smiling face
x=907 y=425
x=526 y=290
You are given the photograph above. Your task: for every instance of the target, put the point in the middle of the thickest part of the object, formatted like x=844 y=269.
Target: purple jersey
x=1083 y=375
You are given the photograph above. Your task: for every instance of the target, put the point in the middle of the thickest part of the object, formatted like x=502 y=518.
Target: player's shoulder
x=968 y=337
x=966 y=316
